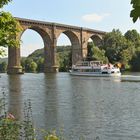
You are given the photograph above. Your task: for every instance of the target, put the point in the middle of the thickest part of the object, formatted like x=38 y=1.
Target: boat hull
x=95 y=74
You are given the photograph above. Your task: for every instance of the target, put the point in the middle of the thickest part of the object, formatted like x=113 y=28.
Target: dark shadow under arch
x=97 y=40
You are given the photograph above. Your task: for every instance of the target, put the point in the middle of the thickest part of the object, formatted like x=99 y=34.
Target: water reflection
x=14 y=95
x=80 y=106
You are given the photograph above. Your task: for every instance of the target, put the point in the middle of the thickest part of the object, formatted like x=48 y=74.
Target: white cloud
x=94 y=17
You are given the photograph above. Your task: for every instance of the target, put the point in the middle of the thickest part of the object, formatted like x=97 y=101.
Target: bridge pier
x=52 y=69
x=14 y=66
x=15 y=70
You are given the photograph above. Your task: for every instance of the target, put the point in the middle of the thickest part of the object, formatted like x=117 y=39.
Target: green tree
x=99 y=54
x=2 y=52
x=23 y=59
x=64 y=58
x=135 y=12
x=114 y=43
x=9 y=28
x=40 y=64
x=95 y=53
x=133 y=36
x=90 y=50
x=3 y=67
x=127 y=55
x=33 y=66
x=4 y=2
x=135 y=61
x=27 y=63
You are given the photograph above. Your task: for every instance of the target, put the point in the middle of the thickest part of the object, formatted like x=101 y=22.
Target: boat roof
x=85 y=63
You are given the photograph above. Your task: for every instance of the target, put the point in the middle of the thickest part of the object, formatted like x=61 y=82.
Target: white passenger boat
x=94 y=68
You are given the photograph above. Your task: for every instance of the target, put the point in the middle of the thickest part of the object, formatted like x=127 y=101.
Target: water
x=78 y=106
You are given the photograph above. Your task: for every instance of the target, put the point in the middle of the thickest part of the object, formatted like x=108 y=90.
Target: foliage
x=114 y=43
x=64 y=58
x=99 y=54
x=135 y=12
x=4 y=2
x=51 y=136
x=2 y=52
x=133 y=36
x=29 y=65
x=95 y=53
x=135 y=61
x=9 y=129
x=39 y=53
x=90 y=50
x=40 y=64
x=3 y=67
x=9 y=28
x=38 y=57
x=33 y=67
x=126 y=56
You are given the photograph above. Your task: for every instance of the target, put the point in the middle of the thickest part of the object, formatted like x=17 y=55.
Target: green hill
x=36 y=59
x=37 y=54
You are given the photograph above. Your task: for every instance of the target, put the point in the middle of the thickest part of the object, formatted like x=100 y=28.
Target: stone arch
x=44 y=35
x=97 y=39
x=76 y=46
x=48 y=51
x=14 y=65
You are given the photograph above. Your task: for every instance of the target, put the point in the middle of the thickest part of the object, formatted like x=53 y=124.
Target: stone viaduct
x=50 y=32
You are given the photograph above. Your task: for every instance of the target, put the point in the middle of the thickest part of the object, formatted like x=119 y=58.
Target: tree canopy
x=9 y=28
x=133 y=36
x=4 y=2
x=114 y=43
x=135 y=12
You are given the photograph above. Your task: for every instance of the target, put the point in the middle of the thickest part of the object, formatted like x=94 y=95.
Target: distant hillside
x=37 y=58
x=39 y=53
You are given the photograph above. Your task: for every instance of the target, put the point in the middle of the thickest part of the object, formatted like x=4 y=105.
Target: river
x=88 y=107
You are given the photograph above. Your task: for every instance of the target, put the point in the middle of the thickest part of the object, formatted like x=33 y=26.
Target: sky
x=103 y=15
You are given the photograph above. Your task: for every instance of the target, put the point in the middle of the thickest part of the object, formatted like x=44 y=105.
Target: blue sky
x=96 y=14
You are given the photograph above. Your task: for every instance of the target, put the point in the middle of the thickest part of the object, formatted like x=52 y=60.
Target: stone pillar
x=84 y=50
x=84 y=43
x=77 y=50
x=50 y=59
x=14 y=66
x=76 y=53
x=50 y=54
